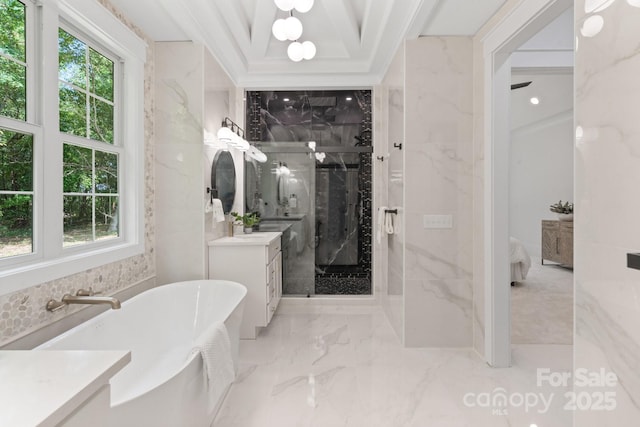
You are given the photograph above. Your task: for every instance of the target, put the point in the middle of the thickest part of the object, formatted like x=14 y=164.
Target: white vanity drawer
x=273 y=249
x=271 y=309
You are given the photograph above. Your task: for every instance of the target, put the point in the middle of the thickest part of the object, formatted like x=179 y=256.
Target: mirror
x=281 y=189
x=251 y=186
x=223 y=179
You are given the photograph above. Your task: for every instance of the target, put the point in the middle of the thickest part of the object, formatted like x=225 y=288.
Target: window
x=16 y=146
x=71 y=131
x=90 y=175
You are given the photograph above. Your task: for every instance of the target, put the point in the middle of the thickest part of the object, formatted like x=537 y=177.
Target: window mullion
x=50 y=190
x=93 y=194
x=88 y=91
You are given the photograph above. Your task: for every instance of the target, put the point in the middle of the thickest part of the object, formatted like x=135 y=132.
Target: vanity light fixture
x=232 y=135
x=255 y=154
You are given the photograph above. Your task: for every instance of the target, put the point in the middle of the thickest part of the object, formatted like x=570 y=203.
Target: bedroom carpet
x=542 y=306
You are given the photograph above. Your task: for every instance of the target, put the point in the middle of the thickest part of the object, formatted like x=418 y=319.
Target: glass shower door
x=285 y=199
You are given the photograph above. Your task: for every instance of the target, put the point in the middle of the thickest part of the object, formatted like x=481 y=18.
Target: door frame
x=523 y=21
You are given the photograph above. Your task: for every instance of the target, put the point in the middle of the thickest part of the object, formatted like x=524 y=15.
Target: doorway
x=526 y=19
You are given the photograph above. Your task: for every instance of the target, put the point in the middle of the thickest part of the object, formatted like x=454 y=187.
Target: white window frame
x=49 y=260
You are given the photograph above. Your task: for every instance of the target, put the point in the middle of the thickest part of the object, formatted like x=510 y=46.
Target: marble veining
x=607 y=173
x=368 y=379
x=439 y=146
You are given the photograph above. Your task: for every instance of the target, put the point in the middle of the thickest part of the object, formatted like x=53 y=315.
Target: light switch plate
x=438 y=221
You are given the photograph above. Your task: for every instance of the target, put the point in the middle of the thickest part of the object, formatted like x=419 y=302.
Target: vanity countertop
x=43 y=387
x=262 y=239
x=290 y=217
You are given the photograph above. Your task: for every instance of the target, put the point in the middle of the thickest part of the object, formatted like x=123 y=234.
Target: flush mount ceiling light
x=535 y=100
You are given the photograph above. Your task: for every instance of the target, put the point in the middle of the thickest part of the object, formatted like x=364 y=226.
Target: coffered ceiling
x=355 y=39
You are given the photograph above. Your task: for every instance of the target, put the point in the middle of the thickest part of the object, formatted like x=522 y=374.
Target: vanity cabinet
x=557 y=242
x=255 y=261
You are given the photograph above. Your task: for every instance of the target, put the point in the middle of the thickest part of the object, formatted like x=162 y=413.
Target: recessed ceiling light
x=534 y=101
x=349 y=98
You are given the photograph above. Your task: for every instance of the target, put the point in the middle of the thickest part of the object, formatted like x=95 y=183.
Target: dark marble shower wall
x=333 y=119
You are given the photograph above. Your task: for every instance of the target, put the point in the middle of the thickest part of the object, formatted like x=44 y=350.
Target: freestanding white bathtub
x=164 y=384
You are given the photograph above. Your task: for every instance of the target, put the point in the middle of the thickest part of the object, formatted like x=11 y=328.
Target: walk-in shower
x=315 y=186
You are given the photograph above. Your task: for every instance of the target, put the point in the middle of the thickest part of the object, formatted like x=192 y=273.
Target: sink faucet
x=82 y=297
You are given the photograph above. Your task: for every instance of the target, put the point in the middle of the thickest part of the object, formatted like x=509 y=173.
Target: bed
x=520 y=260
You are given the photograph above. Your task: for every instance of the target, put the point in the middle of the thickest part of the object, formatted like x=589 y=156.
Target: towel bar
x=391 y=211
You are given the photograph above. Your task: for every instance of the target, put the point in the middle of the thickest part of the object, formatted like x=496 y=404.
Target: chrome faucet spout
x=71 y=299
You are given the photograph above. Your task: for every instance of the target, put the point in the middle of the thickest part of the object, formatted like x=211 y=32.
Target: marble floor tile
x=344 y=366
x=542 y=306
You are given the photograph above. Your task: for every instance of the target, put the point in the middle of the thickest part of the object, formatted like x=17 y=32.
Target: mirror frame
x=227 y=204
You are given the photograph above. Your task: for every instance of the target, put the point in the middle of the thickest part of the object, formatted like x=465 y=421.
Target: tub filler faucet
x=82 y=296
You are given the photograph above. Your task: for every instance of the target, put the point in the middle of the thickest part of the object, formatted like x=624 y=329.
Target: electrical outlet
x=438 y=221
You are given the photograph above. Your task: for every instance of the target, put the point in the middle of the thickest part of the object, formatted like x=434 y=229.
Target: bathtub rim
x=239 y=303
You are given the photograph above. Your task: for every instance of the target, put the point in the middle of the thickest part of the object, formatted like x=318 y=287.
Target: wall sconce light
x=255 y=154
x=232 y=135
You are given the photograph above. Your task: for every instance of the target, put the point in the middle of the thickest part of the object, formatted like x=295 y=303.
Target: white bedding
x=520 y=260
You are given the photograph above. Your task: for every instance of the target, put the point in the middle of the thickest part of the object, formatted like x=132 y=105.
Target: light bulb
x=592 y=26
x=303 y=6
x=295 y=51
x=293 y=28
x=225 y=135
x=285 y=5
x=279 y=29
x=256 y=154
x=308 y=49
x=242 y=144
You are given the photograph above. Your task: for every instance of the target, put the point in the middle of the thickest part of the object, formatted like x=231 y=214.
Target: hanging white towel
x=218 y=212
x=388 y=223
x=214 y=346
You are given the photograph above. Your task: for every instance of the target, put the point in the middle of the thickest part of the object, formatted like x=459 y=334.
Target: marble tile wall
x=391 y=191
x=219 y=102
x=179 y=152
x=22 y=312
x=607 y=173
x=439 y=167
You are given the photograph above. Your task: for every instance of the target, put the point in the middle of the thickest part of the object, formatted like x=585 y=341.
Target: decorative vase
x=248 y=230
x=565 y=217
